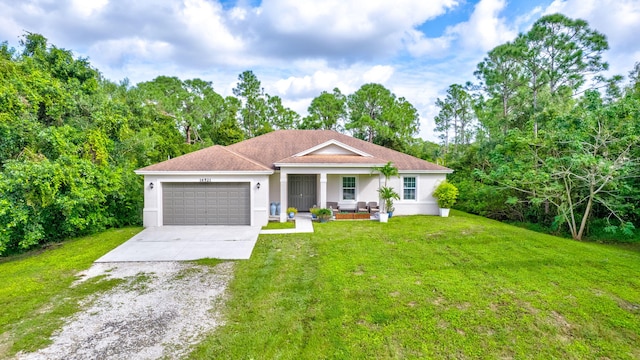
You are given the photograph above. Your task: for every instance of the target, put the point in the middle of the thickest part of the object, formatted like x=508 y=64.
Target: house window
x=349 y=188
x=409 y=188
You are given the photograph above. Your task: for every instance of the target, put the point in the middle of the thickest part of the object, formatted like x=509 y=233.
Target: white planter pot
x=384 y=217
x=444 y=212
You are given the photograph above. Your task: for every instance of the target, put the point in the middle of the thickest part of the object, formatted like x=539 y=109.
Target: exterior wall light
x=151 y=186
x=258 y=186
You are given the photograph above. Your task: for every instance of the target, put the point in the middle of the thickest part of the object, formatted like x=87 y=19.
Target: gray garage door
x=206 y=204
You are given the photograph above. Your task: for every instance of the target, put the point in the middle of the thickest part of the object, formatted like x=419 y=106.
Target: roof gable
x=332 y=147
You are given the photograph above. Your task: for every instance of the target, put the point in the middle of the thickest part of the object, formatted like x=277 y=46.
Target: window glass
x=349 y=188
x=409 y=188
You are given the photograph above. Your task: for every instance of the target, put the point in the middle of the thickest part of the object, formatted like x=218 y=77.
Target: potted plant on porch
x=446 y=193
x=291 y=211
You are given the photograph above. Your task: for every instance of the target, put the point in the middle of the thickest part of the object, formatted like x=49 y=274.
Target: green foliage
x=430 y=288
x=446 y=193
x=292 y=210
x=388 y=194
x=326 y=112
x=549 y=149
x=378 y=116
x=387 y=170
x=324 y=212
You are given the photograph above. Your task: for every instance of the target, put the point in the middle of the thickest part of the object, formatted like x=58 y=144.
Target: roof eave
x=409 y=171
x=228 y=172
x=318 y=165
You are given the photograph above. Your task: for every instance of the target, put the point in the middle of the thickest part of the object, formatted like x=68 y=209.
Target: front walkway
x=303 y=225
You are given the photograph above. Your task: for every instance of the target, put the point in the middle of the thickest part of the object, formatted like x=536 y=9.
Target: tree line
x=71 y=139
x=540 y=136
x=544 y=137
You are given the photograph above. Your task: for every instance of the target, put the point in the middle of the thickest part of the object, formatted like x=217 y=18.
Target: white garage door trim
x=214 y=203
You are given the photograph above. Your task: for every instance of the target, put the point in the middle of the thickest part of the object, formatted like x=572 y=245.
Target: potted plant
x=314 y=212
x=324 y=214
x=292 y=212
x=446 y=193
x=387 y=194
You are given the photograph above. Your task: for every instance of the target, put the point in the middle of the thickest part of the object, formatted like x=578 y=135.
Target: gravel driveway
x=158 y=311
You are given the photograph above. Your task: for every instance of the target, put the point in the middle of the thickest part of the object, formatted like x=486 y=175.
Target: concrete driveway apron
x=176 y=243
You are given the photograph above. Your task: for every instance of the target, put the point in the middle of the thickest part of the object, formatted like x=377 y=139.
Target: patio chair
x=362 y=207
x=333 y=205
x=373 y=207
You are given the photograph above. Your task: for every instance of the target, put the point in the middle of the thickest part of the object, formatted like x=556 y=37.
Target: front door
x=302 y=191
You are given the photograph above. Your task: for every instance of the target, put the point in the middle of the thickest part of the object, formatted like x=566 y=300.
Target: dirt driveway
x=157 y=312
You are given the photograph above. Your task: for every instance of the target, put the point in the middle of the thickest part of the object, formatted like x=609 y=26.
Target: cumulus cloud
x=88 y=8
x=327 y=78
x=484 y=30
x=339 y=30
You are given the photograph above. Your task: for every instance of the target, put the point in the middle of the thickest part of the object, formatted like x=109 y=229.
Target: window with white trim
x=349 y=188
x=409 y=188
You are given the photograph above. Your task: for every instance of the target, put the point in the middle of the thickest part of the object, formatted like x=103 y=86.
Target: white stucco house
x=235 y=185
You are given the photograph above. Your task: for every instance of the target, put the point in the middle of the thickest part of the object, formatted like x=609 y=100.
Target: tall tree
x=377 y=115
x=502 y=76
x=253 y=113
x=457 y=113
x=327 y=111
x=559 y=55
x=279 y=116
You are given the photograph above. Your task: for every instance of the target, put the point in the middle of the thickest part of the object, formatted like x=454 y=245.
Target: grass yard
x=35 y=292
x=276 y=225
x=430 y=287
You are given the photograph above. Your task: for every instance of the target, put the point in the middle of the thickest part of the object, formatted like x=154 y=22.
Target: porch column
x=284 y=194
x=323 y=190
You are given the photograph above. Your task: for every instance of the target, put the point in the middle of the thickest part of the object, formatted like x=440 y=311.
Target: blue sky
x=298 y=48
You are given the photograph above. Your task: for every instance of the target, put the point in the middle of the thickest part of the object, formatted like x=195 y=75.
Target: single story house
x=235 y=184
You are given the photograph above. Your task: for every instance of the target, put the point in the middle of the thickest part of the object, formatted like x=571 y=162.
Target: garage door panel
x=206 y=204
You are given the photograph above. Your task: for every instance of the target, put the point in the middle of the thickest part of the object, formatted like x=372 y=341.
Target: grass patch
x=275 y=225
x=430 y=287
x=35 y=292
x=208 y=262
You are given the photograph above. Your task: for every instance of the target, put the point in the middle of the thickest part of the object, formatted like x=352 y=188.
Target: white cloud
x=120 y=51
x=419 y=45
x=87 y=8
x=485 y=28
x=204 y=21
x=356 y=18
x=378 y=74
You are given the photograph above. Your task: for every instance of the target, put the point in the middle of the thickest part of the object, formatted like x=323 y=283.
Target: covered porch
x=306 y=187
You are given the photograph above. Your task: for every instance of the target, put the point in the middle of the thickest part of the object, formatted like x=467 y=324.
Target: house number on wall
x=205 y=179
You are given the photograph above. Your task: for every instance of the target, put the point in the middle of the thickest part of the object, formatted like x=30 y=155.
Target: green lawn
x=276 y=225
x=430 y=287
x=35 y=292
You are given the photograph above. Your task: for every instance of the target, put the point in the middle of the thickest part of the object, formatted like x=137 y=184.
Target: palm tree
x=388 y=170
x=387 y=194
